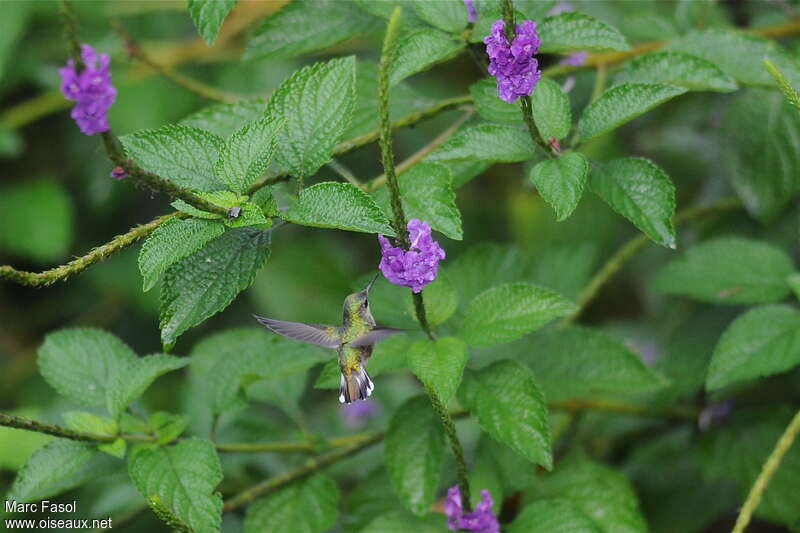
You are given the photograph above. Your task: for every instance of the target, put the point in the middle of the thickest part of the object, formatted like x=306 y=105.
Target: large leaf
x=418 y=49
x=317 y=104
x=676 y=68
x=551 y=110
x=182 y=154
x=207 y=281
x=552 y=515
x=577 y=31
x=338 y=205
x=560 y=181
x=761 y=342
x=508 y=404
x=247 y=154
x=439 y=364
x=730 y=270
x=303 y=26
x=308 y=506
x=483 y=266
x=499 y=469
x=208 y=16
x=641 y=192
x=414 y=453
x=447 y=15
x=508 y=312
x=224 y=119
x=178 y=483
x=132 y=380
x=80 y=362
x=622 y=104
x=487 y=142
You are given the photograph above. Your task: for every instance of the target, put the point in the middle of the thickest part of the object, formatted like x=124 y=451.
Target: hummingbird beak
x=372 y=282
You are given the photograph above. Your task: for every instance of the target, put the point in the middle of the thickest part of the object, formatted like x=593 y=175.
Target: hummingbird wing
x=378 y=333
x=318 y=334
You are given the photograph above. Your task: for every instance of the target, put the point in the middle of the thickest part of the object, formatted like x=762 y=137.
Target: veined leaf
x=487 y=142
x=570 y=31
x=224 y=119
x=560 y=181
x=676 y=68
x=309 y=506
x=247 y=154
x=551 y=111
x=483 y=266
x=447 y=15
x=489 y=104
x=418 y=49
x=208 y=16
x=439 y=364
x=131 y=382
x=338 y=205
x=553 y=515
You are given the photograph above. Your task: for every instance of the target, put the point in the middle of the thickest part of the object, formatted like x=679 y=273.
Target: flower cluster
x=91 y=88
x=515 y=68
x=481 y=520
x=473 y=14
x=417 y=266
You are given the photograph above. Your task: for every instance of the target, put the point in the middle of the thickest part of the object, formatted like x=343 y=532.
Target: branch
x=19 y=422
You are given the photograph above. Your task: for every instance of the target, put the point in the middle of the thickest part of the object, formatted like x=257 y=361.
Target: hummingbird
x=353 y=341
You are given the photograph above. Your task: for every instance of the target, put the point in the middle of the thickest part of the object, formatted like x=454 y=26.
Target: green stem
x=599 y=82
x=27 y=424
x=70 y=22
x=462 y=475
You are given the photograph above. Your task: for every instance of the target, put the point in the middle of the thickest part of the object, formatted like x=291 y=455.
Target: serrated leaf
x=759 y=151
x=510 y=311
x=676 y=68
x=560 y=181
x=172 y=241
x=761 y=342
x=490 y=106
x=338 y=205
x=426 y=190
x=308 y=506
x=551 y=110
x=181 y=479
x=249 y=215
x=207 y=281
x=552 y=515
x=192 y=211
x=640 y=191
x=487 y=142
x=414 y=453
x=448 y=15
x=208 y=16
x=80 y=362
x=439 y=364
x=224 y=119
x=131 y=382
x=500 y=469
x=247 y=154
x=183 y=154
x=570 y=31
x=729 y=270
x=622 y=104
x=483 y=266
x=401 y=521
x=508 y=404
x=304 y=26
x=167 y=426
x=418 y=49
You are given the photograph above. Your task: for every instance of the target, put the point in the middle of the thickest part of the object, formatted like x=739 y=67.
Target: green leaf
x=317 y=104
x=80 y=362
x=338 y=205
x=552 y=515
x=224 y=119
x=483 y=266
x=167 y=426
x=640 y=191
x=447 y=15
x=761 y=342
x=487 y=142
x=131 y=382
x=560 y=181
x=622 y=104
x=414 y=453
x=419 y=49
x=183 y=154
x=36 y=217
x=308 y=506
x=192 y=211
x=90 y=423
x=576 y=362
x=571 y=31
x=729 y=270
x=247 y=154
x=499 y=468
x=207 y=281
x=490 y=106
x=441 y=300
x=510 y=311
x=304 y=26
x=172 y=241
x=180 y=480
x=208 y=16
x=249 y=215
x=439 y=364
x=401 y=521
x=508 y=404
x=759 y=151
x=551 y=110
x=427 y=193
x=676 y=68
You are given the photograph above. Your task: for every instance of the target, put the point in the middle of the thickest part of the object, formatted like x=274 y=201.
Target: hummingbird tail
x=355 y=386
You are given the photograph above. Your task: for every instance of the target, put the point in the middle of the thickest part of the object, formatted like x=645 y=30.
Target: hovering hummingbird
x=353 y=341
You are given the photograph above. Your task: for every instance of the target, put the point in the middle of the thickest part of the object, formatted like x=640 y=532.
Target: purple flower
x=473 y=15
x=515 y=68
x=118 y=173
x=575 y=60
x=481 y=520
x=416 y=267
x=91 y=89
x=356 y=414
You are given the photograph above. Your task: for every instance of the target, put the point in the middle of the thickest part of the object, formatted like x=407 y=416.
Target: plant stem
x=27 y=424
x=767 y=471
x=462 y=475
x=599 y=81
x=70 y=22
x=345 y=172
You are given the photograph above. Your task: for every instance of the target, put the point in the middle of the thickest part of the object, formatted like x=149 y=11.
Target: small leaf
x=487 y=142
x=180 y=480
x=208 y=16
x=622 y=104
x=192 y=211
x=552 y=515
x=447 y=15
x=224 y=119
x=401 y=521
x=730 y=270
x=676 y=68
x=508 y=312
x=90 y=423
x=571 y=31
x=338 y=205
x=167 y=426
x=439 y=364
x=441 y=300
x=641 y=192
x=419 y=49
x=491 y=107
x=414 y=453
x=247 y=154
x=508 y=404
x=551 y=110
x=308 y=506
x=249 y=215
x=560 y=181
x=131 y=382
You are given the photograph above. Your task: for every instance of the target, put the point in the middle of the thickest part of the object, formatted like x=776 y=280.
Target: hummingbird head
x=357 y=305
